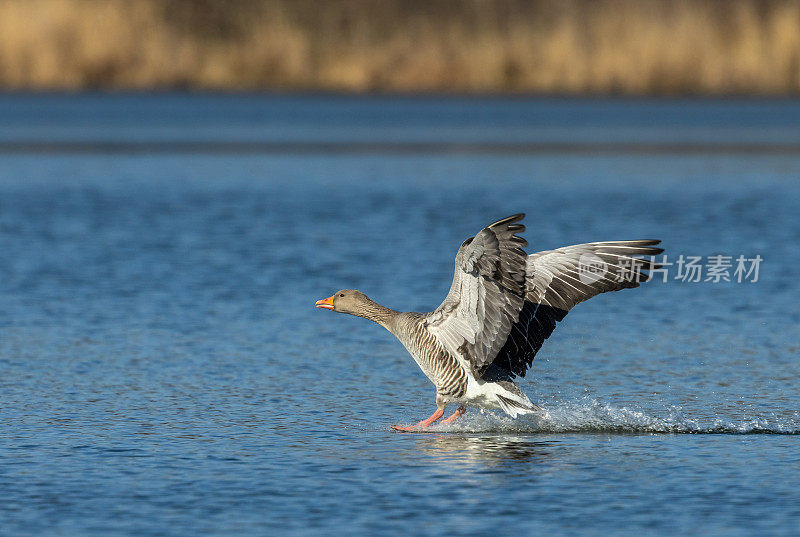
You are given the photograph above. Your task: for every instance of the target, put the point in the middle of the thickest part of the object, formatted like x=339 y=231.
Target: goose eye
x=341 y=294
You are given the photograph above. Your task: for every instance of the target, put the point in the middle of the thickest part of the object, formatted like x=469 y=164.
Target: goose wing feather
x=554 y=286
x=486 y=296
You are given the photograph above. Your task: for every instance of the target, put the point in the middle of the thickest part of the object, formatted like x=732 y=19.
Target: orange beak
x=326 y=303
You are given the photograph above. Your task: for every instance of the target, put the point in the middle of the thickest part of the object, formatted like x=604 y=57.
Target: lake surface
x=164 y=371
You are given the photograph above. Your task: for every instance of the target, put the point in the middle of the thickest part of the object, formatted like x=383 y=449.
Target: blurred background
x=576 y=47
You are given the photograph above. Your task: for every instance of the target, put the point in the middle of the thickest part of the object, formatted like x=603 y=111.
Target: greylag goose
x=503 y=304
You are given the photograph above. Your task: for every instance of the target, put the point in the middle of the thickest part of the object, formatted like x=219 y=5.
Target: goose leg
x=455 y=415
x=424 y=423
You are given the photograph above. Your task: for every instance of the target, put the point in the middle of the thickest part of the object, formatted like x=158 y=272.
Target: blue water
x=164 y=371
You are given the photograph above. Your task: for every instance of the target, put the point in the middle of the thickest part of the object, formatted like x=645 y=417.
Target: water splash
x=592 y=416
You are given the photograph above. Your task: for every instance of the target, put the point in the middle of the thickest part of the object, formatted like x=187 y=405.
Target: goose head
x=346 y=301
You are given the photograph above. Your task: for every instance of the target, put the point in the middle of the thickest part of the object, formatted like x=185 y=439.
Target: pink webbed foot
x=457 y=414
x=424 y=423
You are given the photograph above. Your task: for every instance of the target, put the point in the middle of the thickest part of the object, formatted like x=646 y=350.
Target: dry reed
x=567 y=46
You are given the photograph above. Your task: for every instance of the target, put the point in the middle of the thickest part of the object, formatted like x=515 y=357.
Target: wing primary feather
x=553 y=287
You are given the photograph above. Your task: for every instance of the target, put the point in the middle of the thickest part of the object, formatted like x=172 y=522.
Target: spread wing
x=559 y=279
x=486 y=297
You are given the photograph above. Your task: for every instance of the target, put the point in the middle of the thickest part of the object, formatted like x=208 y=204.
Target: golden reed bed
x=557 y=46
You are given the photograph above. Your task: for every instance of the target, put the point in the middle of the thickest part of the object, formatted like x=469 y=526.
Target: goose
x=502 y=305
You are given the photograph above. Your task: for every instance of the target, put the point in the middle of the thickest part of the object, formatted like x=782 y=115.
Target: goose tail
x=513 y=402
